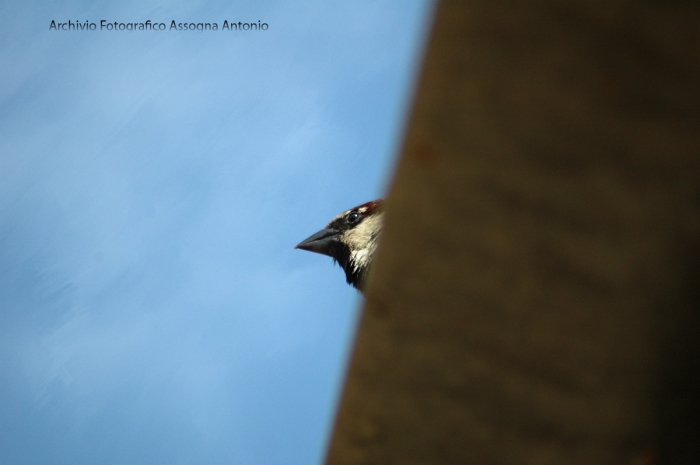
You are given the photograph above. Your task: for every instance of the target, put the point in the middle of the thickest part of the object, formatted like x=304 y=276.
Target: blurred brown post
x=535 y=299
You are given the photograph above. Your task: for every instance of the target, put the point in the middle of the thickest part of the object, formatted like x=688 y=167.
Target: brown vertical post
x=535 y=298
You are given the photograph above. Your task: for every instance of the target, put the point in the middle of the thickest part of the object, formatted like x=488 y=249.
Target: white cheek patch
x=363 y=241
x=359 y=259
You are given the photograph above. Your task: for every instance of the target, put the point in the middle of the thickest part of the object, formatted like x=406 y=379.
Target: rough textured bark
x=535 y=296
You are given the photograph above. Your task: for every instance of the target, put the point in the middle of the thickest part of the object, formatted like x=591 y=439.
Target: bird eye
x=354 y=216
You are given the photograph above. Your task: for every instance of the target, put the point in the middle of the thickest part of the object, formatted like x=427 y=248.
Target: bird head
x=351 y=239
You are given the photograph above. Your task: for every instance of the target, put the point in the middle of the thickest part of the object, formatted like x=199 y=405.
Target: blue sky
x=152 y=188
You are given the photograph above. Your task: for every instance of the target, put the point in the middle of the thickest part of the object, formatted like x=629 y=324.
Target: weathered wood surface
x=535 y=295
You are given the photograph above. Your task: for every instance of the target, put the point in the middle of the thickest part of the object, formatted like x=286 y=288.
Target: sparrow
x=351 y=239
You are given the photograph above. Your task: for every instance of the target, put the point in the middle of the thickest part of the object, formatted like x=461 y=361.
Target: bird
x=351 y=239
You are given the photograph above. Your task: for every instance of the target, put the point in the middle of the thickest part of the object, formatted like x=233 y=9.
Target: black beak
x=322 y=242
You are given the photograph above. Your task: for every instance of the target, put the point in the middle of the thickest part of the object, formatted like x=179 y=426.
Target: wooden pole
x=535 y=299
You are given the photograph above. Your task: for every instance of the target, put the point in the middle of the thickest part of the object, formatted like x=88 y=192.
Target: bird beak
x=321 y=242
